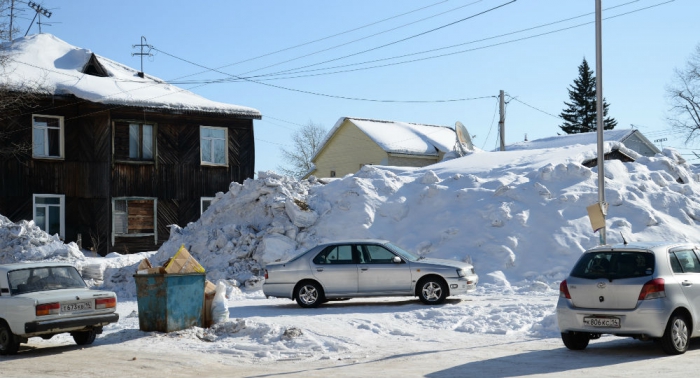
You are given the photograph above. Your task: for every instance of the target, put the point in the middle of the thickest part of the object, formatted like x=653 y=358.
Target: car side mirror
x=396 y=260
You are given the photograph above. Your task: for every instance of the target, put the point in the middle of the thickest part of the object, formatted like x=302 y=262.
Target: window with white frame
x=213 y=146
x=205 y=202
x=47 y=136
x=50 y=214
x=134 y=216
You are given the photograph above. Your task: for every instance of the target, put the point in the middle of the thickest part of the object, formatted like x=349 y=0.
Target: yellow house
x=355 y=142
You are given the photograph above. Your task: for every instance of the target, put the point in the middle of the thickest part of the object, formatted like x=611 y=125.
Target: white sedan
x=45 y=299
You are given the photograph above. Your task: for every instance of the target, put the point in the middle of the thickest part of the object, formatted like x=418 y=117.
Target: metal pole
x=599 y=115
x=502 y=120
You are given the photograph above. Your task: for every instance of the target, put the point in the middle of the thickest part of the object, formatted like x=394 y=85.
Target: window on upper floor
x=47 y=137
x=213 y=146
x=134 y=141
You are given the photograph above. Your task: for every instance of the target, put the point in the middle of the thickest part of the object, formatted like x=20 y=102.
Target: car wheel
x=575 y=340
x=9 y=343
x=675 y=338
x=309 y=294
x=84 y=337
x=432 y=291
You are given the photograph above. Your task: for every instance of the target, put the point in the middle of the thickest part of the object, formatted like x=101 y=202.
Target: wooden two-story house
x=115 y=156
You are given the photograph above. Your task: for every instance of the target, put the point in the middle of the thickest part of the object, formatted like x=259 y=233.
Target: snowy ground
x=518 y=216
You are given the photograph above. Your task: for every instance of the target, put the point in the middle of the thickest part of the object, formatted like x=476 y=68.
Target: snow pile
x=24 y=241
x=519 y=216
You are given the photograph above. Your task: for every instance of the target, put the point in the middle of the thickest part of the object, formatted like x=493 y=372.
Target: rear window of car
x=43 y=279
x=614 y=265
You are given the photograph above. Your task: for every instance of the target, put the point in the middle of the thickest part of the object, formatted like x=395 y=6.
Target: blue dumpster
x=170 y=302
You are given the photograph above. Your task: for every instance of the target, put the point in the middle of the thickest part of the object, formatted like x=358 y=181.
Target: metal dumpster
x=170 y=302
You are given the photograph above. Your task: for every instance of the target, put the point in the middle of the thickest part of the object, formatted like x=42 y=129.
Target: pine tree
x=580 y=114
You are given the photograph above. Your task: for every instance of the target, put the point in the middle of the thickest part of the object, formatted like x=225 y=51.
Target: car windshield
x=614 y=265
x=44 y=278
x=403 y=253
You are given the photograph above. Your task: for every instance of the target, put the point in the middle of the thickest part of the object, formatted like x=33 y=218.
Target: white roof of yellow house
x=401 y=137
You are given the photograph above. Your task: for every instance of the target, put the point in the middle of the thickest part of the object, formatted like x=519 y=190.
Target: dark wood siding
x=89 y=175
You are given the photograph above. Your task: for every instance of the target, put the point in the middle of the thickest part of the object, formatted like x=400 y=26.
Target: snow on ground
x=518 y=216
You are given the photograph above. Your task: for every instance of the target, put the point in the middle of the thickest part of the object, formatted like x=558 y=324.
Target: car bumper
x=462 y=285
x=66 y=325
x=648 y=318
x=279 y=290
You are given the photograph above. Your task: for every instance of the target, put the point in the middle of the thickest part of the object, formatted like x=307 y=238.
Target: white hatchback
x=45 y=299
x=648 y=291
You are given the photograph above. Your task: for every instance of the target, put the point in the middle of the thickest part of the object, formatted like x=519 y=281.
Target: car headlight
x=461 y=272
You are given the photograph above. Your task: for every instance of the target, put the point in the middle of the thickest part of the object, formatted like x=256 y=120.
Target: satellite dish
x=464 y=141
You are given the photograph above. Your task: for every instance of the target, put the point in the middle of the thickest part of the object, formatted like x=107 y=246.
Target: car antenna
x=623 y=238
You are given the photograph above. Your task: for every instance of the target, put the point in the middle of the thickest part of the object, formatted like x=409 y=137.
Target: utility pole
x=502 y=119
x=599 y=116
x=142 y=54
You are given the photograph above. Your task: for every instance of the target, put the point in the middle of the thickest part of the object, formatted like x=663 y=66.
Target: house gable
x=345 y=150
x=94 y=68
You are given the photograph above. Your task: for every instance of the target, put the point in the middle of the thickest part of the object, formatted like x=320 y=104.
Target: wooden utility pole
x=502 y=119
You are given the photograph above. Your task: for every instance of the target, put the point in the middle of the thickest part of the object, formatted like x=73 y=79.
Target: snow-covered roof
x=400 y=137
x=44 y=62
x=558 y=141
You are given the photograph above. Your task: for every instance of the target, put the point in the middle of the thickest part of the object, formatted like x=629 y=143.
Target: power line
x=360 y=39
x=325 y=94
x=260 y=77
x=297 y=70
x=322 y=39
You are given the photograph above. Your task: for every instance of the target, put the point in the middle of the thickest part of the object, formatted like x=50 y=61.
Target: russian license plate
x=602 y=321
x=78 y=306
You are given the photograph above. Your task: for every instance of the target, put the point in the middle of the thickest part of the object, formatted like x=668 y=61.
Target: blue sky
x=533 y=60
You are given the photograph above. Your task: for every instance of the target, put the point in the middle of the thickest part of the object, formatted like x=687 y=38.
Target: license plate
x=79 y=306
x=599 y=321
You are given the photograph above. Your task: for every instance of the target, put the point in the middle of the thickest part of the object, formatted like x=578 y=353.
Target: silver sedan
x=366 y=268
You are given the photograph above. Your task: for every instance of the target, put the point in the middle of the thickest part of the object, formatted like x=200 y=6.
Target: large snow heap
x=518 y=216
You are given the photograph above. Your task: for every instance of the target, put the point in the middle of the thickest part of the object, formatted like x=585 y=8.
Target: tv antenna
x=142 y=53
x=463 y=144
x=39 y=11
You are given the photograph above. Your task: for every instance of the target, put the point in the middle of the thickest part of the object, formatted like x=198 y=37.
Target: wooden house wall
x=89 y=178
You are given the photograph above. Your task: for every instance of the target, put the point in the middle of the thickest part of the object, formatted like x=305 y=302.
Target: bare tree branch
x=305 y=143
x=683 y=95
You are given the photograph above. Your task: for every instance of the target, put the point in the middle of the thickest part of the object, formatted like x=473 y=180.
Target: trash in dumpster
x=183 y=262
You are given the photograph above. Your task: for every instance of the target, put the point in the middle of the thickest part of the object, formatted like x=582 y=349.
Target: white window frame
x=201 y=203
x=201 y=150
x=43 y=129
x=62 y=205
x=127 y=235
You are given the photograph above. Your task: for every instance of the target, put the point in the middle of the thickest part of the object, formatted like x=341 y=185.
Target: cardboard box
x=144 y=264
x=209 y=287
x=183 y=262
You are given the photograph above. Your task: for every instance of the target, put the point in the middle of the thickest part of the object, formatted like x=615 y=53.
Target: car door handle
x=319 y=269
x=363 y=269
x=687 y=283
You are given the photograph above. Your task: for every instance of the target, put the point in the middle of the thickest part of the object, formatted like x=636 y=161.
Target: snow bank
x=518 y=216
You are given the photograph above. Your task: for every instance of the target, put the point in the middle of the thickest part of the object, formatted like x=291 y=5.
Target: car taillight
x=564 y=290
x=105 y=303
x=266 y=277
x=47 y=309
x=653 y=289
